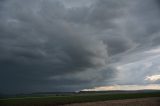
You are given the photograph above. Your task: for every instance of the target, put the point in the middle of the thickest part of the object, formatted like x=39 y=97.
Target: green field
x=66 y=99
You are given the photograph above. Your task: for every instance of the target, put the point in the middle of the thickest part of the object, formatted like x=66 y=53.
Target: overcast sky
x=72 y=45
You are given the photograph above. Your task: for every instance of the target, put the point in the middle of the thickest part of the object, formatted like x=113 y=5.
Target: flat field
x=153 y=101
x=71 y=99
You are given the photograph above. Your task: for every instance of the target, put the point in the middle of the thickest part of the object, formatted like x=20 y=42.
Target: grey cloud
x=44 y=43
x=117 y=45
x=36 y=42
x=143 y=21
x=100 y=14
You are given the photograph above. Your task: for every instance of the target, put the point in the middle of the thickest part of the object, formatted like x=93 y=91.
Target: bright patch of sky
x=125 y=87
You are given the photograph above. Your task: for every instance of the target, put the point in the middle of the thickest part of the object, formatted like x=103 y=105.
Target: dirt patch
x=126 y=102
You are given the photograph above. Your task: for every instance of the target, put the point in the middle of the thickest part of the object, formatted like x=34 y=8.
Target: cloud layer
x=64 y=45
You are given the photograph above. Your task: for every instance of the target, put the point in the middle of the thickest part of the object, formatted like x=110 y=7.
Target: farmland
x=54 y=100
x=154 y=101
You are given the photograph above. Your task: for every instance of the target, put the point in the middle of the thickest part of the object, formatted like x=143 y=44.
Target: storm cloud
x=69 y=45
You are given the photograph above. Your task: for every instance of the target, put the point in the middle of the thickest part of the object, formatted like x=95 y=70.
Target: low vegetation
x=74 y=98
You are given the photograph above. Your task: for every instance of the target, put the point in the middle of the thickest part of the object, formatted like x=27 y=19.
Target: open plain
x=154 y=101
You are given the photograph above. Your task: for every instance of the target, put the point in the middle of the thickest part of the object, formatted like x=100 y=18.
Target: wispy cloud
x=153 y=78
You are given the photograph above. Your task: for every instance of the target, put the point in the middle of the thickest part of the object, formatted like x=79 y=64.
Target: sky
x=73 y=45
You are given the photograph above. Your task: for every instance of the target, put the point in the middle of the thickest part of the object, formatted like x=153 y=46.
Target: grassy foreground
x=66 y=99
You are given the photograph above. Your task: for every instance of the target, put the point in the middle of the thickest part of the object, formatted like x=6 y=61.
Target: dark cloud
x=51 y=45
x=36 y=43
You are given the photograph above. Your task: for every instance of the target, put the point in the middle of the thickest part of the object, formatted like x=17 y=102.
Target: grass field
x=67 y=99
